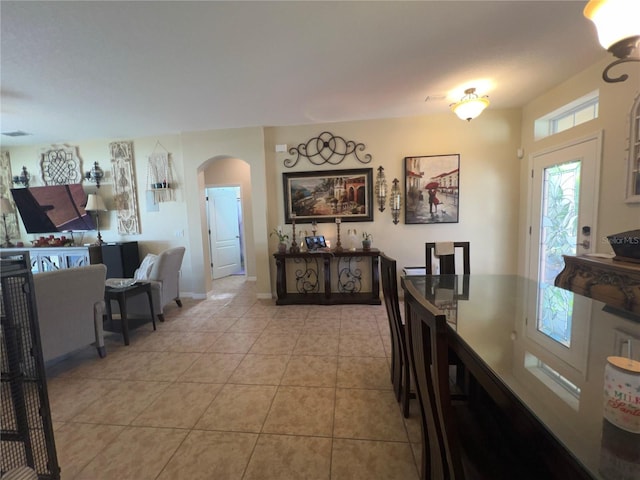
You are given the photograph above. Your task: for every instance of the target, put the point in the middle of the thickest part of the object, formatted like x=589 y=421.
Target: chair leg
x=406 y=390
x=179 y=302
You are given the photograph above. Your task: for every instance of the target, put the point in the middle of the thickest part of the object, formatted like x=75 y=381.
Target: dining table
x=544 y=355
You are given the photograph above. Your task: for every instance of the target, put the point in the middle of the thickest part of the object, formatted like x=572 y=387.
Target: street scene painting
x=324 y=196
x=431 y=189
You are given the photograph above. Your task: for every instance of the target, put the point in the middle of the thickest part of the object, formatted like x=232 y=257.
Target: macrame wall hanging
x=60 y=165
x=124 y=186
x=160 y=180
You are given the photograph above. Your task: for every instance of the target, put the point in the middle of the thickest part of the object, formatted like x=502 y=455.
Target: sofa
x=70 y=307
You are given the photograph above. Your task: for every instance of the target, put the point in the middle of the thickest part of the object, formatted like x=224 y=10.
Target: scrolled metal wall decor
x=60 y=165
x=326 y=148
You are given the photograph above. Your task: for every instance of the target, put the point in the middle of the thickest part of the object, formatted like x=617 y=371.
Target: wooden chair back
x=428 y=354
x=448 y=262
x=399 y=354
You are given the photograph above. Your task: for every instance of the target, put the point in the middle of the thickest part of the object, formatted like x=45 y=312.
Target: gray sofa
x=70 y=305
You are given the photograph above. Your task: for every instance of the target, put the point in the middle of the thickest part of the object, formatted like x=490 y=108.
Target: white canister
x=622 y=393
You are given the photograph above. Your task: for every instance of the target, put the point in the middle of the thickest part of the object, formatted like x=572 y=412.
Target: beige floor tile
x=359 y=326
x=78 y=443
x=364 y=372
x=238 y=408
x=234 y=309
x=210 y=455
x=121 y=403
x=283 y=457
x=322 y=325
x=70 y=396
x=368 y=414
x=177 y=342
x=311 y=371
x=216 y=324
x=138 y=453
x=369 y=460
x=249 y=325
x=180 y=405
x=274 y=344
x=212 y=368
x=361 y=346
x=234 y=343
x=260 y=369
x=149 y=366
x=285 y=325
x=301 y=411
x=316 y=344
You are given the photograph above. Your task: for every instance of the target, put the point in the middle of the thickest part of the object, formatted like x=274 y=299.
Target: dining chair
x=459 y=440
x=447 y=259
x=400 y=373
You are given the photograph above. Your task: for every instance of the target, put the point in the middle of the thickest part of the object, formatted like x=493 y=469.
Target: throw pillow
x=143 y=271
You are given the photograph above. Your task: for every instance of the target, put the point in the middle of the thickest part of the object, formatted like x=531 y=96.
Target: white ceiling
x=74 y=71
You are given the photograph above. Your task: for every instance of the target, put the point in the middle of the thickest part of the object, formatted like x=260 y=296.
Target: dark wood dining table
x=554 y=402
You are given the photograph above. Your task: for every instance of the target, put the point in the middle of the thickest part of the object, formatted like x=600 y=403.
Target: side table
x=121 y=294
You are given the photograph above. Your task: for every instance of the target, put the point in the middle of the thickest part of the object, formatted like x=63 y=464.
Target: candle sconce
x=23 y=178
x=294 y=248
x=381 y=188
x=395 y=201
x=96 y=174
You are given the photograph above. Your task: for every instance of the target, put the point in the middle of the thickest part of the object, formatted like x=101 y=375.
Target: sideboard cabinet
x=328 y=277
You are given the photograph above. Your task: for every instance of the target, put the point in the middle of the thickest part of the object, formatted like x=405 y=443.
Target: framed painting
x=323 y=196
x=431 y=189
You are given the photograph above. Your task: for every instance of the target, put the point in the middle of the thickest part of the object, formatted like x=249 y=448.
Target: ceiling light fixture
x=470 y=105
x=618 y=31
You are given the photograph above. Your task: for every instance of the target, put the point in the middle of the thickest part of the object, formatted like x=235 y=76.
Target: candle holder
x=338 y=244
x=381 y=188
x=294 y=248
x=395 y=201
x=314 y=228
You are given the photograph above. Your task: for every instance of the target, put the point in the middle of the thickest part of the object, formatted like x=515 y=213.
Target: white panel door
x=224 y=231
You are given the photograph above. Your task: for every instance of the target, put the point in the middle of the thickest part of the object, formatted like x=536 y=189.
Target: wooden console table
x=314 y=283
x=610 y=281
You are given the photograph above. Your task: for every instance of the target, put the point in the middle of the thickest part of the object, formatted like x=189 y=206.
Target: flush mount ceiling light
x=470 y=105
x=618 y=25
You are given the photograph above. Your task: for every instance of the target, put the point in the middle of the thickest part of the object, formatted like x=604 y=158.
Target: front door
x=563 y=209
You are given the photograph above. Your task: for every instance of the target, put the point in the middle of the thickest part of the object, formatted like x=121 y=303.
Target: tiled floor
x=236 y=388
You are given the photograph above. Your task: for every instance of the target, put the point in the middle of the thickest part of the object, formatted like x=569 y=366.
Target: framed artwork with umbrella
x=431 y=189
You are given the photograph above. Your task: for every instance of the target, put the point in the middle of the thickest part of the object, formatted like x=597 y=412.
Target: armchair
x=162 y=271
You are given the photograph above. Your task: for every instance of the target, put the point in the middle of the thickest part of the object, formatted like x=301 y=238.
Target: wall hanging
x=431 y=189
x=327 y=195
x=326 y=148
x=124 y=186
x=60 y=165
x=12 y=230
x=160 y=179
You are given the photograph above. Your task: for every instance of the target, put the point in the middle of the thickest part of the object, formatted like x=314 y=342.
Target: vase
x=366 y=244
x=282 y=247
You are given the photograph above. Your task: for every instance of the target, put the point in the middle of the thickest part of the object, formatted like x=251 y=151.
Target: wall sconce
x=470 y=105
x=96 y=204
x=381 y=188
x=96 y=174
x=395 y=201
x=6 y=209
x=618 y=31
x=23 y=178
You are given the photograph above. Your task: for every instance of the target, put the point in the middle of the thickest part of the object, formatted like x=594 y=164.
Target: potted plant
x=282 y=246
x=366 y=240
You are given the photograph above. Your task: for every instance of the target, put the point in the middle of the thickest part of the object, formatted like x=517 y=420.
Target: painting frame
x=310 y=195
x=432 y=189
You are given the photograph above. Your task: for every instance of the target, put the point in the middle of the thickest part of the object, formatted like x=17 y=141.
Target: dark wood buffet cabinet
x=328 y=277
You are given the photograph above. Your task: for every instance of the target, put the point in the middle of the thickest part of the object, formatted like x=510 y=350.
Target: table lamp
x=6 y=208
x=96 y=204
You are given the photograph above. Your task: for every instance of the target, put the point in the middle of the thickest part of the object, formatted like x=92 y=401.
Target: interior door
x=224 y=231
x=563 y=207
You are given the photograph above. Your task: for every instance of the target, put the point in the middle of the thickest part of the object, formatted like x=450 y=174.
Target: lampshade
x=470 y=105
x=5 y=206
x=95 y=203
x=615 y=20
